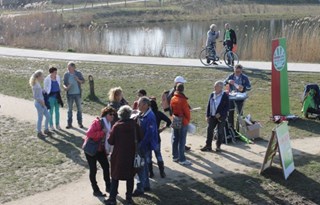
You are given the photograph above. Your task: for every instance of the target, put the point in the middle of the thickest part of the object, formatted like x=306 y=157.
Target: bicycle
x=207 y=58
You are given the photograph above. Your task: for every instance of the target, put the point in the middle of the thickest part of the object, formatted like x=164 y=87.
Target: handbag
x=138 y=159
x=176 y=122
x=91 y=147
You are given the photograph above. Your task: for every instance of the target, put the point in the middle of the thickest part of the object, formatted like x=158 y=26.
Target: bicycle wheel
x=204 y=57
x=230 y=58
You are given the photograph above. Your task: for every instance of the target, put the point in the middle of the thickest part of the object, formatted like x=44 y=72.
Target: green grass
x=14 y=75
x=30 y=165
x=302 y=187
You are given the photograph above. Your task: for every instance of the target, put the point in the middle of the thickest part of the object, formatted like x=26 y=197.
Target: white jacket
x=47 y=83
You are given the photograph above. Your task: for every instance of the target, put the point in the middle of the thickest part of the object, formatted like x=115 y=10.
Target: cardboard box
x=250 y=131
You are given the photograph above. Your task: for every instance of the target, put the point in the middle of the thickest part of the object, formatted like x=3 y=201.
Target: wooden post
x=91 y=85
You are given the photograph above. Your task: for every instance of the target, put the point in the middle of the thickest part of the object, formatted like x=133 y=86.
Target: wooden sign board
x=279 y=141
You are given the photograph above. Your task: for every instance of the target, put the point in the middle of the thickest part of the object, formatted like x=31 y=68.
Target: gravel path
x=236 y=158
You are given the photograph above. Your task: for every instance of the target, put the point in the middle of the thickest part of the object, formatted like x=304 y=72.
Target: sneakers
x=186 y=163
x=206 y=149
x=110 y=201
x=137 y=193
x=81 y=126
x=98 y=194
x=175 y=159
x=218 y=149
x=40 y=135
x=47 y=132
x=215 y=63
x=186 y=148
x=68 y=126
x=58 y=127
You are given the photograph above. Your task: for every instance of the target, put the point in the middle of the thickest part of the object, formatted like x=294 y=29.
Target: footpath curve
x=16 y=52
x=236 y=158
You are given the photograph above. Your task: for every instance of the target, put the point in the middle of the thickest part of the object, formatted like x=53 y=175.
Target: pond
x=180 y=39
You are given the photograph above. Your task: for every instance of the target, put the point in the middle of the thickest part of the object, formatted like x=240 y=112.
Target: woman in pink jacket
x=98 y=132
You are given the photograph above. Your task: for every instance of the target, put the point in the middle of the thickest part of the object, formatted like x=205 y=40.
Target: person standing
x=238 y=82
x=217 y=112
x=52 y=88
x=122 y=137
x=72 y=81
x=148 y=124
x=98 y=132
x=140 y=94
x=181 y=80
x=116 y=100
x=212 y=36
x=160 y=116
x=230 y=39
x=180 y=108
x=39 y=102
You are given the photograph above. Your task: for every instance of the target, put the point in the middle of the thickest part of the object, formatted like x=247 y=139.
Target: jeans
x=54 y=105
x=213 y=122
x=157 y=152
x=115 y=185
x=42 y=111
x=92 y=162
x=77 y=99
x=179 y=142
x=143 y=173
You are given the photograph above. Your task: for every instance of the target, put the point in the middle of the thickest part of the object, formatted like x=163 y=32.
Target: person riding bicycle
x=212 y=35
x=229 y=39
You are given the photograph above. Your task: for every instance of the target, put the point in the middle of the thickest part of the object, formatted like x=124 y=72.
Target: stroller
x=311 y=101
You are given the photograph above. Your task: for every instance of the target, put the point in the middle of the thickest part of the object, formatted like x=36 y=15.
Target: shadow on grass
x=68 y=144
x=310 y=125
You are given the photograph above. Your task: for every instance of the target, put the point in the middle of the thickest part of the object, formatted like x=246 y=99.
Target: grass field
x=30 y=165
x=14 y=75
x=24 y=166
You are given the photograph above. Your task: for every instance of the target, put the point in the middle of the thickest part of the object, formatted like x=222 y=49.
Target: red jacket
x=96 y=133
x=180 y=107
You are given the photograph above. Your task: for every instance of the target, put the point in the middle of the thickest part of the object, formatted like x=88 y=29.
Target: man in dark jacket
x=238 y=82
x=217 y=111
x=229 y=38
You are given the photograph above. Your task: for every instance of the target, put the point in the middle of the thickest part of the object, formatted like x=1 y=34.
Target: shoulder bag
x=138 y=159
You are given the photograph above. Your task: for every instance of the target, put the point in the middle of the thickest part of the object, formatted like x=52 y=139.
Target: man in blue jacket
x=217 y=112
x=238 y=82
x=148 y=124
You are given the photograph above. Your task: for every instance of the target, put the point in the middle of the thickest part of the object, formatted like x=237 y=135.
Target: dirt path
x=236 y=158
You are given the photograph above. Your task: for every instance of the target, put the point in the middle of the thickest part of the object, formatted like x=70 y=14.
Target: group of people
x=121 y=130
x=229 y=40
x=48 y=99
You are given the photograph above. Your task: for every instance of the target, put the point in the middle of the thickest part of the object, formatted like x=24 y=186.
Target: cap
x=179 y=79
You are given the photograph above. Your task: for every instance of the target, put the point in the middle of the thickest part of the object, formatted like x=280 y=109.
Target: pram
x=311 y=101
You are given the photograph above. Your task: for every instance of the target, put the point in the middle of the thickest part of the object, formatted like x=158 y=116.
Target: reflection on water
x=183 y=39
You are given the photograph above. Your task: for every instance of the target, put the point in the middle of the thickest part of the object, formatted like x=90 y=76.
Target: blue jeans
x=77 y=99
x=143 y=173
x=54 y=106
x=42 y=111
x=157 y=152
x=179 y=142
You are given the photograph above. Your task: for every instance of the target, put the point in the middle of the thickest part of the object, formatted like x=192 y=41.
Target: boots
x=151 y=174
x=161 y=169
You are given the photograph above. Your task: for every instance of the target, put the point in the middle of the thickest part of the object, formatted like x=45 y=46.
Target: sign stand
x=279 y=141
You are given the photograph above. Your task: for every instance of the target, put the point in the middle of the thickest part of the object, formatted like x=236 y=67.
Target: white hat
x=179 y=79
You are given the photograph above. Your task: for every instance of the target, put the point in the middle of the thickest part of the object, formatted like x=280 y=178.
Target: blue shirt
x=74 y=88
x=54 y=86
x=148 y=124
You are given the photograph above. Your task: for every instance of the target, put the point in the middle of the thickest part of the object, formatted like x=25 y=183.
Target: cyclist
x=230 y=39
x=212 y=35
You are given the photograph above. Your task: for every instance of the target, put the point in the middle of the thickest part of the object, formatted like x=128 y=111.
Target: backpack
x=165 y=100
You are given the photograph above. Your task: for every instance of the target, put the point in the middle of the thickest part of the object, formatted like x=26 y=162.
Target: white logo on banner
x=279 y=58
